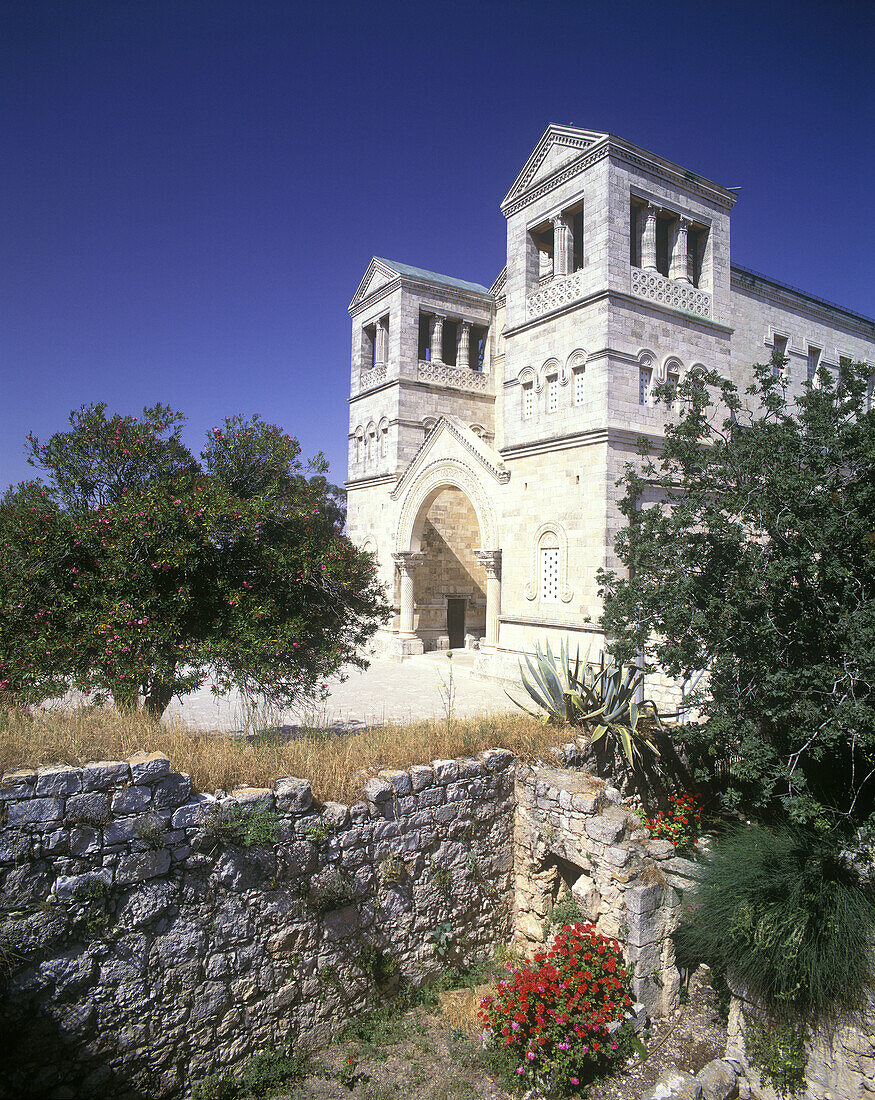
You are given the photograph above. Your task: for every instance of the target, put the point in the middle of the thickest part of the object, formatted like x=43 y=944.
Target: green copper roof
x=433 y=276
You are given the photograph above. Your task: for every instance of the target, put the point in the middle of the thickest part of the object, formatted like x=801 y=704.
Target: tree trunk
x=160 y=694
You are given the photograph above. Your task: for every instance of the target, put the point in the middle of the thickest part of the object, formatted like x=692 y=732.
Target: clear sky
x=191 y=190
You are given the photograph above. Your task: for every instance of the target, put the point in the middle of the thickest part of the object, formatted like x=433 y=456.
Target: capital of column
x=407 y=561
x=652 y=211
x=491 y=562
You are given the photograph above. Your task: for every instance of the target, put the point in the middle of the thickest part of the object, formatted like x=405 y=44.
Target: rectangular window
x=814 y=355
x=478 y=347
x=552 y=393
x=576 y=222
x=672 y=380
x=451 y=342
x=645 y=375
x=528 y=400
x=662 y=249
x=579 y=385
x=369 y=358
x=779 y=352
x=550 y=574
x=696 y=241
x=424 y=337
x=634 y=235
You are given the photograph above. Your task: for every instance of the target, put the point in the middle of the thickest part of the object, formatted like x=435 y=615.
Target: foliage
x=152 y=832
x=784 y=914
x=241 y=827
x=135 y=570
x=681 y=823
x=333 y=890
x=565 y=911
x=751 y=553
x=555 y=1017
x=261 y=1075
x=777 y=1048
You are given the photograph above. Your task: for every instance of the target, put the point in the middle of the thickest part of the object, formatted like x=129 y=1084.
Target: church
x=489 y=425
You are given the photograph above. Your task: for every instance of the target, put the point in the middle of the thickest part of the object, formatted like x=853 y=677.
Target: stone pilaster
x=463 y=355
x=406 y=561
x=561 y=246
x=437 y=338
x=648 y=240
x=680 y=267
x=491 y=562
x=381 y=342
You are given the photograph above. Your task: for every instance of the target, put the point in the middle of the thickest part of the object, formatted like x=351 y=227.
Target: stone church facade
x=488 y=426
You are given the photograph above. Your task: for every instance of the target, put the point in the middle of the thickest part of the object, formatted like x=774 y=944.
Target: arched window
x=548 y=580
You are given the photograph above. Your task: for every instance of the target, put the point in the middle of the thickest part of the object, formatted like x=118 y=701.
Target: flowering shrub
x=681 y=823
x=561 y=1019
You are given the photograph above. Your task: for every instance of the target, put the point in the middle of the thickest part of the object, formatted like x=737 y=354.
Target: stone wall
x=144 y=946
x=574 y=836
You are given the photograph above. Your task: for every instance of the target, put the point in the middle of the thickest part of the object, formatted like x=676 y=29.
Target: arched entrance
x=448 y=583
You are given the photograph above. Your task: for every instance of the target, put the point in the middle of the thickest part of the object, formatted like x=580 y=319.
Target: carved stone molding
x=491 y=562
x=556 y=294
x=654 y=287
x=445 y=473
x=458 y=378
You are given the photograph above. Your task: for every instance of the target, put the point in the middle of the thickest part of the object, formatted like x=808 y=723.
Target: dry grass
x=336 y=764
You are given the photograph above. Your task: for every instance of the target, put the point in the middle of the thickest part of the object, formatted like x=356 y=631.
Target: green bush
x=240 y=827
x=784 y=914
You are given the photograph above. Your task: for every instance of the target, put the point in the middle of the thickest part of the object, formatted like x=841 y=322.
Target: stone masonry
x=143 y=949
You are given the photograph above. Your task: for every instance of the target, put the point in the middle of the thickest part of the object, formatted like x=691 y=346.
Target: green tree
x=750 y=550
x=135 y=571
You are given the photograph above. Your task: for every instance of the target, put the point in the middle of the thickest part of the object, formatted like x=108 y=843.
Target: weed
x=241 y=828
x=393 y=869
x=379 y=967
x=380 y=1028
x=96 y=897
x=152 y=832
x=443 y=879
x=441 y=937
x=777 y=1048
x=565 y=911
x=447 y=692
x=333 y=891
x=10 y=955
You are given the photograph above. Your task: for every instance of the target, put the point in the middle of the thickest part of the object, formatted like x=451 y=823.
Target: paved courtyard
x=387 y=691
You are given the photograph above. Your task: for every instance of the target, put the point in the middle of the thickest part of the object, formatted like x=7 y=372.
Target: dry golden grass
x=336 y=764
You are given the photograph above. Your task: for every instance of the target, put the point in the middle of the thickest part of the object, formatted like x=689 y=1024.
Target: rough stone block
x=147 y=767
x=57 y=782
x=676 y=1085
x=100 y=775
x=68 y=887
x=89 y=808
x=398 y=780
x=141 y=866
x=253 y=798
x=193 y=813
x=171 y=792
x=84 y=841
x=17 y=784
x=121 y=831
x=644 y=899
x=35 y=811
x=335 y=815
x=131 y=800
x=608 y=826
x=378 y=790
x=421 y=776
x=293 y=795
x=719 y=1080
x=446 y=771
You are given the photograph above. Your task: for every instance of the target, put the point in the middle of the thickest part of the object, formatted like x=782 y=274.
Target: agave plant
x=600 y=695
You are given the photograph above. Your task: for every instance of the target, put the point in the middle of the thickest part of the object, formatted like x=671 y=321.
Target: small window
x=579 y=386
x=672 y=380
x=635 y=214
x=814 y=355
x=779 y=354
x=696 y=241
x=384 y=442
x=450 y=342
x=369 y=356
x=424 y=337
x=550 y=574
x=553 y=393
x=575 y=223
x=662 y=249
x=528 y=400
x=645 y=376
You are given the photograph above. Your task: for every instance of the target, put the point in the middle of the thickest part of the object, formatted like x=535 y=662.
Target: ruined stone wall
x=143 y=946
x=574 y=836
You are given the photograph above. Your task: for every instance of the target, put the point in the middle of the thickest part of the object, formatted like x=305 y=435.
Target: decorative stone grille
x=559 y=293
x=372 y=377
x=460 y=379
x=656 y=288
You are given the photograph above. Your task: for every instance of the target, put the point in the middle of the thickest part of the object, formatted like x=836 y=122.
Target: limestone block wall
x=841 y=1061
x=573 y=835
x=142 y=947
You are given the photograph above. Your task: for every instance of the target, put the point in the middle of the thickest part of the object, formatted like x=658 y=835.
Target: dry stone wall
x=143 y=946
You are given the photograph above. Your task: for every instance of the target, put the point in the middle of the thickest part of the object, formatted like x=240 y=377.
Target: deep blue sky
x=190 y=191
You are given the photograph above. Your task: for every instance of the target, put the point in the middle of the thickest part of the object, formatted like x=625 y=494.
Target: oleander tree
x=133 y=571
x=750 y=552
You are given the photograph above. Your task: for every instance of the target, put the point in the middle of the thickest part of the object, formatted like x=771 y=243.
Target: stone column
x=561 y=242
x=680 y=268
x=380 y=356
x=406 y=561
x=437 y=338
x=463 y=356
x=648 y=241
x=491 y=562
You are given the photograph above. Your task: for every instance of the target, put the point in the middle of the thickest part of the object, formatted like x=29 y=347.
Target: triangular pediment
x=558 y=148
x=379 y=273
x=452 y=438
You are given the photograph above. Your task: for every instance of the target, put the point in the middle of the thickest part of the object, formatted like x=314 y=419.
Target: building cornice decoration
x=498 y=287
x=563 y=136
x=444 y=473
x=485 y=457
x=375 y=267
x=743 y=278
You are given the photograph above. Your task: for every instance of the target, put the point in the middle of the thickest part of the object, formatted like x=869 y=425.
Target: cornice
x=543 y=620
x=368 y=482
x=590 y=438
x=479 y=451
x=743 y=279
x=566 y=172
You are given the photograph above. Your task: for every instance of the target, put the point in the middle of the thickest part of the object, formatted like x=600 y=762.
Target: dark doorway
x=456 y=622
